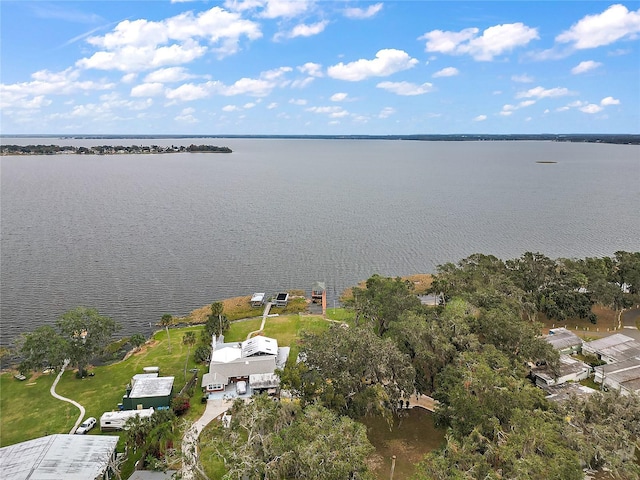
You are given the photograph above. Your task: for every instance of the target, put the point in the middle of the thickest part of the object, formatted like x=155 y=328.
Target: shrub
x=180 y=404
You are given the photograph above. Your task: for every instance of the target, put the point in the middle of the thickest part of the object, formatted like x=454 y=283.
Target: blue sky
x=319 y=67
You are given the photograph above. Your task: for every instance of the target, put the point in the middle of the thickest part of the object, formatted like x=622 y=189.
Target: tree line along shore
x=6 y=150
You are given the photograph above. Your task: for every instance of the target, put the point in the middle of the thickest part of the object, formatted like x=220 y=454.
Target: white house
x=234 y=362
x=570 y=370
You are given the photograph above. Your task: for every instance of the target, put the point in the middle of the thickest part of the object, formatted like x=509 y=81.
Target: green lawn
x=27 y=410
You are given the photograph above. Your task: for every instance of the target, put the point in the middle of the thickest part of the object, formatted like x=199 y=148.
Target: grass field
x=27 y=409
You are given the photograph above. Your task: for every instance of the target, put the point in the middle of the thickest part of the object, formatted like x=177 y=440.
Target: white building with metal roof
x=563 y=340
x=59 y=457
x=622 y=376
x=614 y=348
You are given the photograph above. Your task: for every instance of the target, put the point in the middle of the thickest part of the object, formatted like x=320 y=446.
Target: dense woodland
x=470 y=353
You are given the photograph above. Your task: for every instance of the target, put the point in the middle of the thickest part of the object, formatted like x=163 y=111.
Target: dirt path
x=65 y=399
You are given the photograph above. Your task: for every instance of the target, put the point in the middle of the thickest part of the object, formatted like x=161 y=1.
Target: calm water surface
x=137 y=236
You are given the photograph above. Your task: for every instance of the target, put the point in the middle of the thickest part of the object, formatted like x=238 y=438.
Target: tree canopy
x=80 y=334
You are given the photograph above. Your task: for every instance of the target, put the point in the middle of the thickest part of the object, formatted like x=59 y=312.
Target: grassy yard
x=29 y=411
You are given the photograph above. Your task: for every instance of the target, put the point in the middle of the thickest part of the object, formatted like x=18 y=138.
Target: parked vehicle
x=241 y=387
x=85 y=426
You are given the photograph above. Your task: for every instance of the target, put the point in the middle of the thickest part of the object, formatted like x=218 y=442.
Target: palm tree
x=165 y=321
x=189 y=340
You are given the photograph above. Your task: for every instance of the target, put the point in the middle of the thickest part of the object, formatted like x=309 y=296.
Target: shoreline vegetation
x=108 y=149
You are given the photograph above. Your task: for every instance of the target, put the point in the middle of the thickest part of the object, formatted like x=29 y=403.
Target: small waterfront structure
x=113 y=421
x=281 y=299
x=60 y=456
x=565 y=341
x=614 y=348
x=318 y=291
x=148 y=390
x=257 y=299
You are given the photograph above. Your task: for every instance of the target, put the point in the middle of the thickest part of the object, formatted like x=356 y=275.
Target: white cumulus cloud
x=592 y=31
x=585 y=66
x=137 y=45
x=540 y=92
x=311 y=69
x=609 y=101
x=387 y=62
x=169 y=75
x=148 y=90
x=591 y=108
x=446 y=72
x=480 y=118
x=338 y=97
x=494 y=41
x=304 y=30
x=406 y=88
x=524 y=78
x=361 y=13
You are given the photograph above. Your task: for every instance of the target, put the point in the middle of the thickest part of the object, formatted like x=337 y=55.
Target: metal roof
x=151 y=475
x=243 y=367
x=561 y=338
x=226 y=354
x=607 y=342
x=264 y=380
x=258 y=297
x=58 y=457
x=152 y=387
x=259 y=345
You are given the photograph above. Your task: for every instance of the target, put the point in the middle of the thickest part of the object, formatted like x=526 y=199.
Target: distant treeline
x=106 y=149
x=627 y=139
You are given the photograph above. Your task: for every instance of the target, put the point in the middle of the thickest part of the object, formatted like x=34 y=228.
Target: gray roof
x=621 y=372
x=151 y=475
x=213 y=378
x=561 y=338
x=58 y=457
x=243 y=367
x=264 y=380
x=561 y=393
x=152 y=387
x=283 y=356
x=567 y=366
x=607 y=342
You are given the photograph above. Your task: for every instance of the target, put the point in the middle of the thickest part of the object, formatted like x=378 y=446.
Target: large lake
x=142 y=235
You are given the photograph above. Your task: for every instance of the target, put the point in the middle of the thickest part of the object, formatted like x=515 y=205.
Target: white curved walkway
x=65 y=399
x=214 y=409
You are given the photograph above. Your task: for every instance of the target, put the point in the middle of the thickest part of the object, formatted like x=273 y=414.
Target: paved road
x=65 y=399
x=214 y=409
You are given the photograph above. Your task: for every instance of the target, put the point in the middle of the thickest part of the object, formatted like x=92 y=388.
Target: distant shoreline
x=621 y=139
x=20 y=150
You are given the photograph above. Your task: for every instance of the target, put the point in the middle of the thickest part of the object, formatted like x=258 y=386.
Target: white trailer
x=111 y=421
